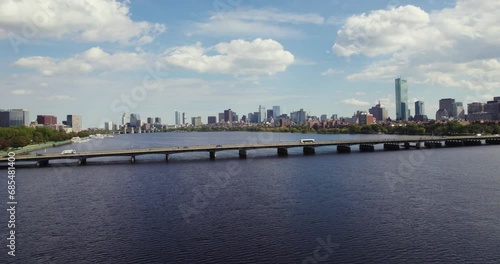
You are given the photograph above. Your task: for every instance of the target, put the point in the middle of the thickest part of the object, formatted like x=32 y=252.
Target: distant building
x=46 y=119
x=262 y=114
x=211 y=120
x=419 y=108
x=323 y=117
x=108 y=126
x=125 y=118
x=196 y=121
x=135 y=120
x=475 y=107
x=178 y=120
x=150 y=120
x=221 y=118
x=366 y=119
x=228 y=116
x=75 y=122
x=14 y=117
x=276 y=111
x=379 y=112
x=270 y=113
x=447 y=104
x=184 y=118
x=458 y=110
x=298 y=117
x=442 y=115
x=157 y=121
x=401 y=99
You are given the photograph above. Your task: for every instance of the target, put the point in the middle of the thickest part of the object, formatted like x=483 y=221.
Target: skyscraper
x=177 y=117
x=262 y=114
x=401 y=99
x=135 y=120
x=379 y=112
x=75 y=122
x=228 y=116
x=419 y=108
x=276 y=111
x=14 y=117
x=125 y=118
x=449 y=105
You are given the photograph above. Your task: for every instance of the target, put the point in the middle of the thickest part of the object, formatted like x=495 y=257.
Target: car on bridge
x=68 y=151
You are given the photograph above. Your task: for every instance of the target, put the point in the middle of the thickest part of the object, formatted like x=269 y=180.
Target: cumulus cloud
x=455 y=47
x=330 y=71
x=21 y=92
x=255 y=22
x=88 y=61
x=238 y=57
x=86 y=20
x=355 y=102
x=60 y=97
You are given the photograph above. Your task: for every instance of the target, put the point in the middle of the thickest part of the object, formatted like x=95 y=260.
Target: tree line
x=17 y=137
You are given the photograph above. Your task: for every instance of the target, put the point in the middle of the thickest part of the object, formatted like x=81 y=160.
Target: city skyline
x=328 y=58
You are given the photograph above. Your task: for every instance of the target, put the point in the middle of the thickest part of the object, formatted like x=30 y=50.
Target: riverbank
x=34 y=147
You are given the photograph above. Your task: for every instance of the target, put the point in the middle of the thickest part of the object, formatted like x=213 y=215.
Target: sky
x=100 y=59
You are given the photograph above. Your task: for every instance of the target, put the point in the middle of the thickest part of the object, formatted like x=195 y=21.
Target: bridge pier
x=493 y=141
x=132 y=159
x=212 y=154
x=243 y=153
x=282 y=152
x=391 y=146
x=42 y=163
x=309 y=150
x=166 y=157
x=417 y=145
x=82 y=161
x=407 y=145
x=433 y=144
x=366 y=148
x=453 y=143
x=343 y=149
x=473 y=142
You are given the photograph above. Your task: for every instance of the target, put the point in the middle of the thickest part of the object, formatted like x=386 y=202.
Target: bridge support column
x=243 y=153
x=343 y=149
x=433 y=144
x=407 y=145
x=82 y=161
x=474 y=142
x=366 y=148
x=492 y=141
x=132 y=159
x=212 y=154
x=282 y=152
x=391 y=146
x=453 y=143
x=42 y=163
x=166 y=157
x=309 y=150
x=417 y=145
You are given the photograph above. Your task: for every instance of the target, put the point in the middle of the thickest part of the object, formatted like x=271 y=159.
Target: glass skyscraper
x=401 y=99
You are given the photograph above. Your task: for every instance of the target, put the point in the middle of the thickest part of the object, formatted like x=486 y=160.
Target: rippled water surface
x=428 y=206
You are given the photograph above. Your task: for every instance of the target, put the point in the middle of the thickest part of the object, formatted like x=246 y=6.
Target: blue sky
x=101 y=58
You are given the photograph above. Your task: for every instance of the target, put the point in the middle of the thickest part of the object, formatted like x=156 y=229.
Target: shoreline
x=29 y=148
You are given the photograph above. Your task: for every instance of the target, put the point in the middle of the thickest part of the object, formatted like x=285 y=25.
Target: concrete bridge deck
x=343 y=146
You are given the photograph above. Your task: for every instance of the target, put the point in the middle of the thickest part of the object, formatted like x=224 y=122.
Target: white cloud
x=330 y=71
x=238 y=57
x=60 y=97
x=86 y=20
x=356 y=102
x=88 y=61
x=21 y=92
x=360 y=93
x=454 y=47
x=255 y=22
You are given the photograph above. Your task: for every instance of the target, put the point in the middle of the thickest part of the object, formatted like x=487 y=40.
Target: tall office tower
x=177 y=117
x=276 y=111
x=262 y=114
x=419 y=108
x=75 y=122
x=125 y=118
x=150 y=120
x=108 y=126
x=211 y=120
x=448 y=104
x=14 y=117
x=221 y=118
x=270 y=113
x=459 y=112
x=158 y=120
x=228 y=116
x=379 y=112
x=475 y=107
x=184 y=118
x=135 y=120
x=401 y=99
x=196 y=121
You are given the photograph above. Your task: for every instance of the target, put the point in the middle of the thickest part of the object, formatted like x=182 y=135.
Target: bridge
x=343 y=146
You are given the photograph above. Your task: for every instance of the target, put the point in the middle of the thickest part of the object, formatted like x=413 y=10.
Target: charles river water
x=407 y=206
